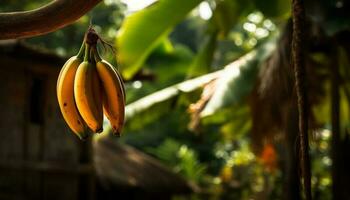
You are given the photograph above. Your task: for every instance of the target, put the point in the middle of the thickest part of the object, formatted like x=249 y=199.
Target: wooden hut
x=41 y=159
x=126 y=173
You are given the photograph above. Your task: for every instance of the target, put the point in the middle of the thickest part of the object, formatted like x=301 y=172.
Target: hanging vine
x=298 y=61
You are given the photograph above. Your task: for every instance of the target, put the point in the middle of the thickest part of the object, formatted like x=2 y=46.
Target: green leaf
x=169 y=67
x=164 y=47
x=274 y=8
x=236 y=128
x=166 y=151
x=344 y=64
x=202 y=62
x=226 y=15
x=322 y=109
x=189 y=164
x=237 y=80
x=141 y=32
x=168 y=93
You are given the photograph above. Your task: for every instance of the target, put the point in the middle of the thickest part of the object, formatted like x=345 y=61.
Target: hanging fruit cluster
x=87 y=88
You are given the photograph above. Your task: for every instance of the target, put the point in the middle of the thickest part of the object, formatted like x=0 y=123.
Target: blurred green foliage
x=133 y=50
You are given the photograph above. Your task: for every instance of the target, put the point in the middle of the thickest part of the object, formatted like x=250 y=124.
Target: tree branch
x=48 y=18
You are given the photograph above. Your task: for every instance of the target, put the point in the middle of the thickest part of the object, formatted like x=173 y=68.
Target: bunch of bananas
x=87 y=88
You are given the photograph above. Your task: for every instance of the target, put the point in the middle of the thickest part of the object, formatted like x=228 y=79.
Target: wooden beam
x=48 y=167
x=46 y=19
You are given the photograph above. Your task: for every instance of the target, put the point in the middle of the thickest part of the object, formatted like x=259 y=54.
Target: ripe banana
x=114 y=95
x=122 y=83
x=87 y=94
x=89 y=87
x=65 y=96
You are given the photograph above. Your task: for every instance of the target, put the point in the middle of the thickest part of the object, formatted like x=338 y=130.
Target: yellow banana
x=114 y=96
x=65 y=96
x=87 y=94
x=97 y=94
x=122 y=83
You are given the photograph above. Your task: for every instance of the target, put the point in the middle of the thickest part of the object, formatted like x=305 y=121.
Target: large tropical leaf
x=225 y=16
x=163 y=95
x=169 y=67
x=142 y=31
x=237 y=80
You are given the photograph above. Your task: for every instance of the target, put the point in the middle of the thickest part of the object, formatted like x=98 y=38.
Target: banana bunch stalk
x=87 y=88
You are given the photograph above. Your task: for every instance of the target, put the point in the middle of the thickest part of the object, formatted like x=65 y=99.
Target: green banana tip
x=117 y=133
x=83 y=135
x=99 y=130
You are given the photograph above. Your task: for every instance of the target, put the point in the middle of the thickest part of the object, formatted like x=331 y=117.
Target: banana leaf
x=141 y=32
x=237 y=79
x=202 y=62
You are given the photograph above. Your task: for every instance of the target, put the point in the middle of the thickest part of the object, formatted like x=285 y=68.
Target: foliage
x=134 y=51
x=181 y=158
x=321 y=165
x=237 y=80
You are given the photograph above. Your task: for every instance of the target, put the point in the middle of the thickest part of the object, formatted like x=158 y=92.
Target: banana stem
x=96 y=55
x=92 y=54
x=81 y=52
x=87 y=57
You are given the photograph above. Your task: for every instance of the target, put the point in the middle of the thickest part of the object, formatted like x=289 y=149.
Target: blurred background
x=211 y=104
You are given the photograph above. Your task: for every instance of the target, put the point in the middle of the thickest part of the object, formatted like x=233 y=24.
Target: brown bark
x=43 y=20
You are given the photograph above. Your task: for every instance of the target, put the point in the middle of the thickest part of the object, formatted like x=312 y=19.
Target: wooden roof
x=120 y=165
x=23 y=51
x=19 y=52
